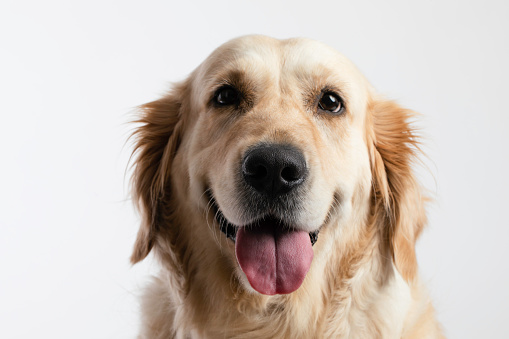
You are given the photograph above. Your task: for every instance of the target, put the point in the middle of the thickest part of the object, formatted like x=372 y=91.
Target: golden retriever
x=276 y=191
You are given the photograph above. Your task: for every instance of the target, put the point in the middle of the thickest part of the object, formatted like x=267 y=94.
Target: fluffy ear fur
x=398 y=201
x=157 y=140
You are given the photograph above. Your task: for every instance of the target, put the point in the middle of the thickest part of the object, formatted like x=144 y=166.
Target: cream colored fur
x=361 y=193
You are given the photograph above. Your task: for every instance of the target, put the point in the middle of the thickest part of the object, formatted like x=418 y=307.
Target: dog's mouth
x=230 y=230
x=274 y=256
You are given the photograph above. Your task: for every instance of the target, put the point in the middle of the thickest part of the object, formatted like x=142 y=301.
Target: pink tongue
x=275 y=261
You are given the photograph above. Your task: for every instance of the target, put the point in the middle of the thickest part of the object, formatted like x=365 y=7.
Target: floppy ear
x=398 y=200
x=157 y=140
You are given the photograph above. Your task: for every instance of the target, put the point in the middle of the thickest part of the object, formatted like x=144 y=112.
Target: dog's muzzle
x=274 y=255
x=272 y=175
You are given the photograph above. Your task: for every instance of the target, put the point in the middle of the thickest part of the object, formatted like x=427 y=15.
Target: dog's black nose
x=273 y=169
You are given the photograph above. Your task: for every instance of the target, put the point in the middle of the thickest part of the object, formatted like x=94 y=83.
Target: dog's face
x=278 y=142
x=269 y=144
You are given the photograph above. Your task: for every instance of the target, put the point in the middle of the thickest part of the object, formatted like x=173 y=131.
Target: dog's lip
x=230 y=230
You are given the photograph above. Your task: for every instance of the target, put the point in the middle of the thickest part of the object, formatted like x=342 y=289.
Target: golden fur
x=363 y=281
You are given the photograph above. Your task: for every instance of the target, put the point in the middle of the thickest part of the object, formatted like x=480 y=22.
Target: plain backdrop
x=72 y=72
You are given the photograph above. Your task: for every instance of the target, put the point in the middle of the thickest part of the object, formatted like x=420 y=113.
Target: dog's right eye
x=226 y=96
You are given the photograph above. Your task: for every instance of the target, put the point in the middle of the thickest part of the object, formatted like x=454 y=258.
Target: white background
x=71 y=73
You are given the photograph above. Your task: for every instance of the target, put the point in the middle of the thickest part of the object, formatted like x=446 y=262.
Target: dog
x=276 y=191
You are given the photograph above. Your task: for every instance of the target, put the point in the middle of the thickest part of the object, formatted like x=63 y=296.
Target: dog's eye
x=226 y=96
x=330 y=102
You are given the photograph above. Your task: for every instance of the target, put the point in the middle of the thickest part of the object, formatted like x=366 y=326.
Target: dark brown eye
x=226 y=96
x=330 y=102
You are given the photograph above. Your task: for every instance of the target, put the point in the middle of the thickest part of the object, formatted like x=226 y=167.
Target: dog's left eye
x=226 y=96
x=330 y=102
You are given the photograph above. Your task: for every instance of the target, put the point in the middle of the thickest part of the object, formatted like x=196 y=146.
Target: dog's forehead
x=263 y=55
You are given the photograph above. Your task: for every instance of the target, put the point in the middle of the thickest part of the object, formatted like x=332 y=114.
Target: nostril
x=260 y=172
x=290 y=174
x=256 y=171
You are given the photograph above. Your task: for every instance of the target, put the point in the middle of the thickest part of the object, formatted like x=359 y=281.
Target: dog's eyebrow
x=234 y=78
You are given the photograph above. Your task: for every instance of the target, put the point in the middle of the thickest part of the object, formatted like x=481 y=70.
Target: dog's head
x=270 y=154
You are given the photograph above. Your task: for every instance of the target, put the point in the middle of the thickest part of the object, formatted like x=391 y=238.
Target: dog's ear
x=397 y=198
x=157 y=140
